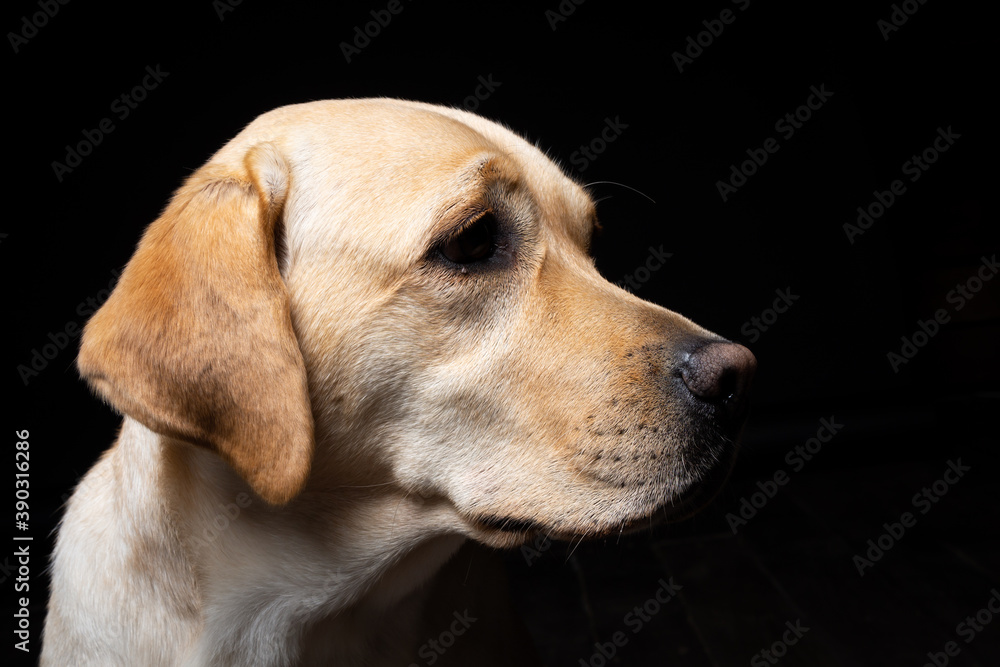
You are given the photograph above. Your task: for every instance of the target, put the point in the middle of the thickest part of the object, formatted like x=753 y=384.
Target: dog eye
x=474 y=243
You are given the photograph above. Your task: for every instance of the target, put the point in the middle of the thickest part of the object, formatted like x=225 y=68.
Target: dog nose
x=720 y=372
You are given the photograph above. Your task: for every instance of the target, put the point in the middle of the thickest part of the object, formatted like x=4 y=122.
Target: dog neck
x=263 y=579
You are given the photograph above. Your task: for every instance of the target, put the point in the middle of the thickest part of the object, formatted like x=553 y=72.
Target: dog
x=365 y=333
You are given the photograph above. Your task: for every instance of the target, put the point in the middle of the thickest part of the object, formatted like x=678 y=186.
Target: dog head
x=399 y=295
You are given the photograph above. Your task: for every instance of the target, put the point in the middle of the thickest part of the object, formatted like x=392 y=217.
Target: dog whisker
x=627 y=187
x=392 y=526
x=574 y=548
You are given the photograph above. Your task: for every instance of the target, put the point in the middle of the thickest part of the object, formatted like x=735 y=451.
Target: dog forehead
x=399 y=155
x=551 y=187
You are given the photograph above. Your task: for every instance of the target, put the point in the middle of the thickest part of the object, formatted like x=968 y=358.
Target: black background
x=783 y=230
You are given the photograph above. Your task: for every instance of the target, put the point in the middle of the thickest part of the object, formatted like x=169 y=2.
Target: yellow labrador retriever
x=363 y=333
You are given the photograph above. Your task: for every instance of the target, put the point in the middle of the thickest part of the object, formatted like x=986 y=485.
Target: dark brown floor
x=792 y=565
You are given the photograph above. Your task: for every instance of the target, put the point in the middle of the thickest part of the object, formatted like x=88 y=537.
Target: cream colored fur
x=287 y=342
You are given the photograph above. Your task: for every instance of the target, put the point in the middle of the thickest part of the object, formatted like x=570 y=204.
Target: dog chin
x=507 y=531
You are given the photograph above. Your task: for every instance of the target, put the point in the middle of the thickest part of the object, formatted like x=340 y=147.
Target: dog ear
x=196 y=340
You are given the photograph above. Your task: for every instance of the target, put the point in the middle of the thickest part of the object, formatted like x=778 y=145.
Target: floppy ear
x=196 y=341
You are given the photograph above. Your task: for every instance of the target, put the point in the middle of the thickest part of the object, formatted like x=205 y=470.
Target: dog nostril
x=729 y=385
x=720 y=372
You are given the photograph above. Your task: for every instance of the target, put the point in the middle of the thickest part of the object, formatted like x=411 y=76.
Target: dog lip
x=525 y=529
x=506 y=524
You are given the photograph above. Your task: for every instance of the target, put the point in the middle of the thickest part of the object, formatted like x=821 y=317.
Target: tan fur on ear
x=196 y=340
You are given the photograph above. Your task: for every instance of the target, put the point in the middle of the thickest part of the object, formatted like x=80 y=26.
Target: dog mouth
x=506 y=524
